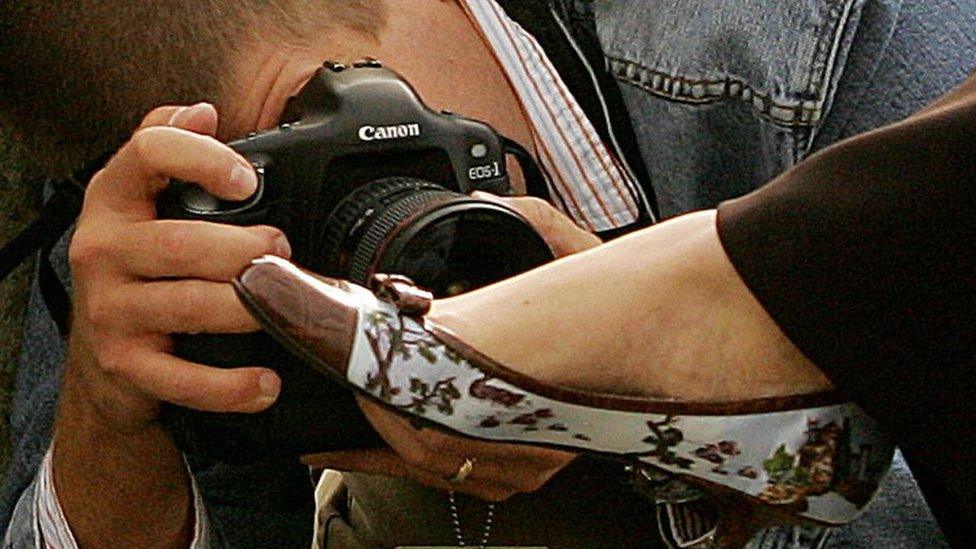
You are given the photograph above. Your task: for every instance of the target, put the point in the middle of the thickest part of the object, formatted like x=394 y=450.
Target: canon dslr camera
x=363 y=178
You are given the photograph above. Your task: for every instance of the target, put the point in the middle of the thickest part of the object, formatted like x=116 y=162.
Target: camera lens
x=447 y=242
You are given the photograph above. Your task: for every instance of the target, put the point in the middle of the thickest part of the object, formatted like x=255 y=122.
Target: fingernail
x=186 y=114
x=244 y=179
x=282 y=247
x=270 y=385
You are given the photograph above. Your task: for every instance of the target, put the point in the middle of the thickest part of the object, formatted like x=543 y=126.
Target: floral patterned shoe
x=810 y=455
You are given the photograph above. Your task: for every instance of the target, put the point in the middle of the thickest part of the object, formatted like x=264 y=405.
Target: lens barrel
x=447 y=242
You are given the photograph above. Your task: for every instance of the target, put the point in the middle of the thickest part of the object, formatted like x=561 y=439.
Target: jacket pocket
x=724 y=95
x=783 y=59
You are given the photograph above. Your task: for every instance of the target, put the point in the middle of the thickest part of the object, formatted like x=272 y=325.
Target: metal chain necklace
x=451 y=495
x=456 y=521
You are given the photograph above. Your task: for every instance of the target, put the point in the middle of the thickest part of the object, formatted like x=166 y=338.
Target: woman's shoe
x=811 y=454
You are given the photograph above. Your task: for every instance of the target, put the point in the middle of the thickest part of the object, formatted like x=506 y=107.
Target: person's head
x=77 y=75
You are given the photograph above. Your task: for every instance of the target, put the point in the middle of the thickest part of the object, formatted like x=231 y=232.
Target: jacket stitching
x=825 y=60
x=795 y=113
x=702 y=91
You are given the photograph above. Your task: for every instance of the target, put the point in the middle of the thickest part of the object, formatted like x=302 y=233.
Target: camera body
x=347 y=127
x=362 y=177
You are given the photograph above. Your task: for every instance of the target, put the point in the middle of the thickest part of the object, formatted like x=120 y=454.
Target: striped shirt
x=597 y=192
x=585 y=178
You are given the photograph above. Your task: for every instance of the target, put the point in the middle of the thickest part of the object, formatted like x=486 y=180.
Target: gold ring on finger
x=463 y=472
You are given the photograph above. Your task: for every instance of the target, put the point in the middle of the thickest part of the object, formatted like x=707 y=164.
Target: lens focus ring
x=355 y=214
x=384 y=227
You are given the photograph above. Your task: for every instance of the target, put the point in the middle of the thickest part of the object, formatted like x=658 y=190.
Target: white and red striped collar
x=594 y=188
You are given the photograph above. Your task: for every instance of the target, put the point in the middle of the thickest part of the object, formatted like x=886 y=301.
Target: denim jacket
x=725 y=95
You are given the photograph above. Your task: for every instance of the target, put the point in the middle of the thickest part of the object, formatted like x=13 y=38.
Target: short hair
x=76 y=76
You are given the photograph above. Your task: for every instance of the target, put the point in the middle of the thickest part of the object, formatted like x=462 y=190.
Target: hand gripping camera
x=363 y=178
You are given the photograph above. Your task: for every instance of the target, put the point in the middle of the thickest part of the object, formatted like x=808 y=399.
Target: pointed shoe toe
x=813 y=456
x=314 y=317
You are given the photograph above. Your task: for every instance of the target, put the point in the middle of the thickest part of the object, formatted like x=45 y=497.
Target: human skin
x=664 y=313
x=139 y=279
x=106 y=441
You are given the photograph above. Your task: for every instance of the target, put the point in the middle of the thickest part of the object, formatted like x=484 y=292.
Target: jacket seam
x=791 y=113
x=703 y=91
x=825 y=59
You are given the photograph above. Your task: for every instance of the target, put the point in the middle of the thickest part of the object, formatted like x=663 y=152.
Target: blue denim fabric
x=726 y=95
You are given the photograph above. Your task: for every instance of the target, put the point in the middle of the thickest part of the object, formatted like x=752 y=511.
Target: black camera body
x=362 y=177
x=348 y=127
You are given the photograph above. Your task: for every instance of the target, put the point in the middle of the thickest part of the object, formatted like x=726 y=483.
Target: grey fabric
x=21 y=532
x=38 y=378
x=20 y=197
x=896 y=518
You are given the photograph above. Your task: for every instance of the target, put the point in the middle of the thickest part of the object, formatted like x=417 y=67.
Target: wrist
x=90 y=394
x=143 y=488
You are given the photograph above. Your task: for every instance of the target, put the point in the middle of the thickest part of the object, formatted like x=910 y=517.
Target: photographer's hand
x=137 y=280
x=559 y=231
x=430 y=456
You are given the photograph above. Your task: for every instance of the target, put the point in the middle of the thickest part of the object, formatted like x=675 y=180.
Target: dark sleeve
x=864 y=256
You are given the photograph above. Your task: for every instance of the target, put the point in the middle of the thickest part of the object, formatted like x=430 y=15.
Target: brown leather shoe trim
x=311 y=319
x=630 y=404
x=403 y=293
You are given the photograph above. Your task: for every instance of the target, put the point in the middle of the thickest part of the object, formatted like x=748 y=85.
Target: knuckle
x=86 y=250
x=438 y=443
x=156 y=114
x=537 y=203
x=100 y=312
x=175 y=242
x=143 y=140
x=533 y=483
x=184 y=316
x=494 y=494
x=113 y=358
x=537 y=210
x=558 y=460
